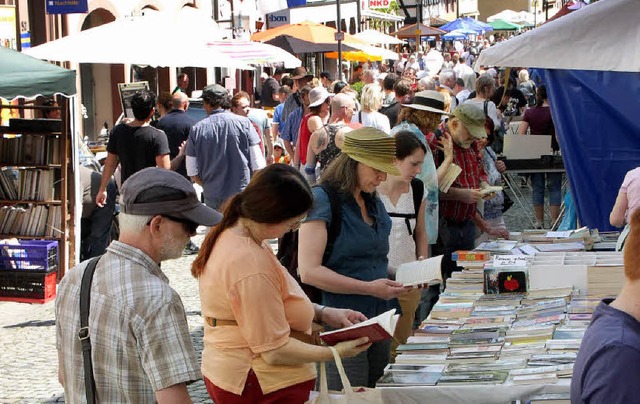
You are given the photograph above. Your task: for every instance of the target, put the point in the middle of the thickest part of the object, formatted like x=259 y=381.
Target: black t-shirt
x=391 y=112
x=511 y=93
x=269 y=88
x=137 y=147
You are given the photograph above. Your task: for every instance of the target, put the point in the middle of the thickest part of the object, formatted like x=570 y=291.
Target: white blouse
x=402 y=246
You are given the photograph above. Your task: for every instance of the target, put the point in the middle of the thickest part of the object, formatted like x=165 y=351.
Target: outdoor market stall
x=590 y=62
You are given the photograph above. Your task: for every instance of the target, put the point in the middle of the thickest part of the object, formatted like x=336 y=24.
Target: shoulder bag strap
x=486 y=108
x=336 y=220
x=83 y=334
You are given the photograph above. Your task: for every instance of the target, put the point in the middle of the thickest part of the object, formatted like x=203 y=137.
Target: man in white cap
x=135 y=346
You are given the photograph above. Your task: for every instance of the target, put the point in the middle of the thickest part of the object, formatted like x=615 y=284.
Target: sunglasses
x=297 y=224
x=189 y=225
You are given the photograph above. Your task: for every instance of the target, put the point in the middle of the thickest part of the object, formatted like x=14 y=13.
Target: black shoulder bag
x=83 y=334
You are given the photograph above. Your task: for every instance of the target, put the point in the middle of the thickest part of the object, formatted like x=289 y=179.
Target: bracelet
x=320 y=313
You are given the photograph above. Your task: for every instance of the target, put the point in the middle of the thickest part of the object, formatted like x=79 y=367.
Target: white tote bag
x=350 y=395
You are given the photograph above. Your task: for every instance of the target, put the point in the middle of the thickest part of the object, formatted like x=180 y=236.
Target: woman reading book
x=354 y=275
x=403 y=198
x=257 y=342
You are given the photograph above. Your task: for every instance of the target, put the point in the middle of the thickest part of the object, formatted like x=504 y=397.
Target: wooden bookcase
x=54 y=188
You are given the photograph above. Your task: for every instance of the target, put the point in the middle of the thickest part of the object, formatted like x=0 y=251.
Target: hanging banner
x=67 y=6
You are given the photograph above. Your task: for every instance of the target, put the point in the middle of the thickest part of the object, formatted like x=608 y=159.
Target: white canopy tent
x=601 y=36
x=132 y=40
x=515 y=17
x=372 y=36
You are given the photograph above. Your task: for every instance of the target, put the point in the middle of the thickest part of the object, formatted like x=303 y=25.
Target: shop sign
x=278 y=18
x=8 y=27
x=66 y=6
x=379 y=3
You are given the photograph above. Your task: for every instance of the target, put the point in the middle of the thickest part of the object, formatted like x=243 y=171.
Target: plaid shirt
x=137 y=325
x=472 y=174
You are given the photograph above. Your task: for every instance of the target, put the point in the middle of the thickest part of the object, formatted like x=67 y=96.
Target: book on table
x=420 y=272
x=378 y=328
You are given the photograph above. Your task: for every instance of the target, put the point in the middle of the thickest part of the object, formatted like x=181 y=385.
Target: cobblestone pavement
x=28 y=362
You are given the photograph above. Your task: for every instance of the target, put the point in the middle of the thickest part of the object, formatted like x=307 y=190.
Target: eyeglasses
x=297 y=224
x=189 y=225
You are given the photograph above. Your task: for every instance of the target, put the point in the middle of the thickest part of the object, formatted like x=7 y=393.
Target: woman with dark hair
x=354 y=275
x=408 y=238
x=492 y=208
x=538 y=121
x=256 y=314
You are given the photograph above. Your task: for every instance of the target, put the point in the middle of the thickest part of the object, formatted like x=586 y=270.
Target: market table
x=472 y=394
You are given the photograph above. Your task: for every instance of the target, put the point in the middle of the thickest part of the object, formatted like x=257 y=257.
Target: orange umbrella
x=306 y=31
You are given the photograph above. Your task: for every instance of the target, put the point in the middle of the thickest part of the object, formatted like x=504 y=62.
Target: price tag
x=511 y=261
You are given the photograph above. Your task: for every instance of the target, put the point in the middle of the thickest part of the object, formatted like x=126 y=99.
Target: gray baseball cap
x=157 y=191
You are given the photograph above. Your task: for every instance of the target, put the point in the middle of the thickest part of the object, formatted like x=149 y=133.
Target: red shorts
x=252 y=393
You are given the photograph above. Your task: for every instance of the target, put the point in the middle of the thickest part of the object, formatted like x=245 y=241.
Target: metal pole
x=339 y=27
x=358 y=17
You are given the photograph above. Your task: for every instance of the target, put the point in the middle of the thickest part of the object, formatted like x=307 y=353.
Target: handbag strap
x=346 y=385
x=83 y=334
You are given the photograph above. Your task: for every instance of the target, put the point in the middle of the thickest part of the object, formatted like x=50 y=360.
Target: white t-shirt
x=372 y=119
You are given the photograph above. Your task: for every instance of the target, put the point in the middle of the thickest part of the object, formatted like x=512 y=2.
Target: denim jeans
x=554 y=186
x=95 y=230
x=364 y=369
x=214 y=203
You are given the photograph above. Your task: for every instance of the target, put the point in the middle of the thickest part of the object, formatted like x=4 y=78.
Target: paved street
x=27 y=335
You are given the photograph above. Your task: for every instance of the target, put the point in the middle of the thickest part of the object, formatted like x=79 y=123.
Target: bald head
x=340 y=101
x=179 y=100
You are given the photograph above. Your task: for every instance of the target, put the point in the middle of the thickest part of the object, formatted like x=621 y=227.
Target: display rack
x=55 y=158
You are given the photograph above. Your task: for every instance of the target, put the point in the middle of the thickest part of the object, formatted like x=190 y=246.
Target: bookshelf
x=36 y=179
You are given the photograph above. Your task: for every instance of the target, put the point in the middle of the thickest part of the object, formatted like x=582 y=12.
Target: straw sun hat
x=372 y=147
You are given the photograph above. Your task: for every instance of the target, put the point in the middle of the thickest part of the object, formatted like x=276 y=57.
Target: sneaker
x=190 y=249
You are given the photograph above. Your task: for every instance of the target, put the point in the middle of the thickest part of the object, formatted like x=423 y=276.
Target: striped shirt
x=137 y=325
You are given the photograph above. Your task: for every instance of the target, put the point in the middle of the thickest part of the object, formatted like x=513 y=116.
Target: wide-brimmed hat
x=372 y=147
x=428 y=100
x=317 y=96
x=473 y=118
x=158 y=191
x=300 y=72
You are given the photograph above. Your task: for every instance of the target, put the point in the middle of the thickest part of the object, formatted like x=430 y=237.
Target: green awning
x=502 y=25
x=22 y=75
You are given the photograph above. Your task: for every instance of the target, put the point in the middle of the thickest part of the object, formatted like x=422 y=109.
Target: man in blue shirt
x=608 y=362
x=223 y=150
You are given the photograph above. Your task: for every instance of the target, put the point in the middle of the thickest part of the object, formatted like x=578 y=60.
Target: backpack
x=418 y=194
x=288 y=244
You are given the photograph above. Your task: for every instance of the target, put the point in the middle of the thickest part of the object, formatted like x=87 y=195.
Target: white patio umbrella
x=134 y=40
x=372 y=36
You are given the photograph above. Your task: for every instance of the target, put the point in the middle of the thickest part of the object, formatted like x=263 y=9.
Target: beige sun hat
x=372 y=147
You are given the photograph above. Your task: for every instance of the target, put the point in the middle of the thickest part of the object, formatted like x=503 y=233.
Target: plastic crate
x=27 y=287
x=29 y=256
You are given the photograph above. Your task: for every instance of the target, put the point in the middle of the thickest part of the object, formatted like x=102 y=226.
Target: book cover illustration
x=512 y=282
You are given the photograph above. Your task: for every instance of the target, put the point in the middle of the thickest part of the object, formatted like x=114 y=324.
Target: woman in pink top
x=627 y=201
x=253 y=308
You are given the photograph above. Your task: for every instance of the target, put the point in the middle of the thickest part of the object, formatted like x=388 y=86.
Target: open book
x=378 y=328
x=490 y=189
x=452 y=173
x=420 y=272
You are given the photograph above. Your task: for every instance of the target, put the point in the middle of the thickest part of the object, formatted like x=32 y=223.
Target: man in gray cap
x=141 y=347
x=458 y=214
x=223 y=150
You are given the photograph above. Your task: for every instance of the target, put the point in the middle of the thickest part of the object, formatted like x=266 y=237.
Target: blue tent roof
x=467 y=23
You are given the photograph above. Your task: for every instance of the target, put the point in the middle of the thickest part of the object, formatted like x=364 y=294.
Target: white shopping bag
x=350 y=395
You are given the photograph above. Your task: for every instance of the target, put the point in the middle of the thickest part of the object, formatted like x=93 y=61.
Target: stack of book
x=520 y=338
x=30 y=220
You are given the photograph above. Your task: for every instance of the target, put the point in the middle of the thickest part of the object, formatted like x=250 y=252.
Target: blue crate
x=30 y=256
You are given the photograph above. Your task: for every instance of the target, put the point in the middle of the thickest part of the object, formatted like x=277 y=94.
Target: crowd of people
x=353 y=168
